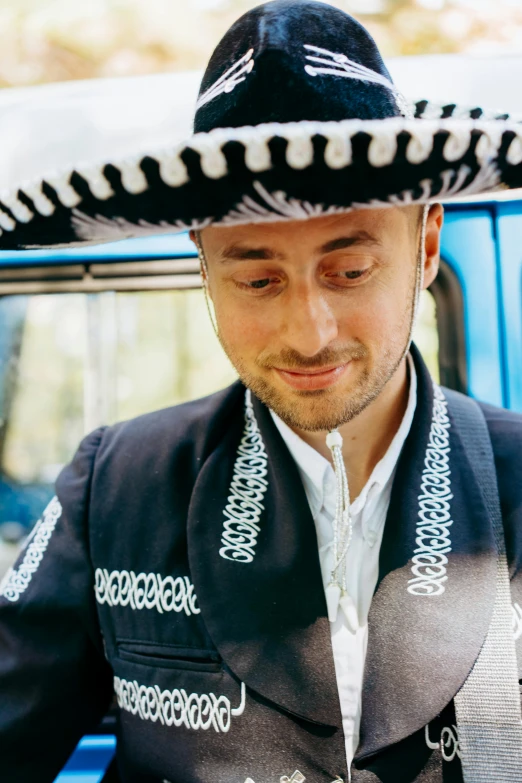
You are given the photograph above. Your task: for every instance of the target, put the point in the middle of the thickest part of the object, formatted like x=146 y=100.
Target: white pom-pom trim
x=300 y=150
x=7 y=222
x=383 y=146
x=382 y=151
x=420 y=145
x=257 y=155
x=99 y=185
x=432 y=111
x=514 y=152
x=20 y=211
x=457 y=143
x=64 y=190
x=489 y=143
x=172 y=170
x=338 y=151
x=41 y=203
x=132 y=177
x=213 y=162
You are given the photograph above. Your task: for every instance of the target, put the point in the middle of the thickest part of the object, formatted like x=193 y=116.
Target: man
x=308 y=574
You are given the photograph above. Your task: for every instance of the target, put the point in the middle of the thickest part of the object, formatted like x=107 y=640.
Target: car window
x=426 y=335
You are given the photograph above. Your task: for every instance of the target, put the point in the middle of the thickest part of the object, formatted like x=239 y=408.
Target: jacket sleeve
x=55 y=683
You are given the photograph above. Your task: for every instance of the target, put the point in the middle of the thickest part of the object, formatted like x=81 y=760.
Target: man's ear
x=434 y=223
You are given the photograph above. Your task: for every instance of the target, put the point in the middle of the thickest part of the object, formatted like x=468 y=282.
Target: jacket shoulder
x=505 y=429
x=188 y=431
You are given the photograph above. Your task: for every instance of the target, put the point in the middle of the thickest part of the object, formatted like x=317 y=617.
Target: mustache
x=288 y=359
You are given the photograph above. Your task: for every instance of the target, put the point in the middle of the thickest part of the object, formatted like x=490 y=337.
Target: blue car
x=58 y=378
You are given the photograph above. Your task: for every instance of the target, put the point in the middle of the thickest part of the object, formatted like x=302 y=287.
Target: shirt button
x=371 y=538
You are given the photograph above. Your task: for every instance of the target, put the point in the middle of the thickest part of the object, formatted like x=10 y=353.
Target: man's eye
x=259 y=283
x=348 y=274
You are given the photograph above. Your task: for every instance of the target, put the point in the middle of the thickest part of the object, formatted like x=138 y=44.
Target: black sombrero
x=297 y=117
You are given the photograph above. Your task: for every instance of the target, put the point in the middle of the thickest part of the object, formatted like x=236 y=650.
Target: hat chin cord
x=336 y=592
x=203 y=267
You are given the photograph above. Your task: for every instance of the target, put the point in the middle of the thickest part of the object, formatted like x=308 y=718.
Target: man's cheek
x=244 y=339
x=368 y=326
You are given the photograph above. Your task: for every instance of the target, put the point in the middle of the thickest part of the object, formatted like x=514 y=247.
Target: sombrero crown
x=296 y=117
x=290 y=61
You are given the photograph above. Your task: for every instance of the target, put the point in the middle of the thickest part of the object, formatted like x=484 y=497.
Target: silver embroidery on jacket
x=247 y=490
x=433 y=537
x=177 y=708
x=448 y=743
x=16 y=580
x=145 y=591
x=297 y=777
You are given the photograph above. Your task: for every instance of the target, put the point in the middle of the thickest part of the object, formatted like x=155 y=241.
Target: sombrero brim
x=269 y=172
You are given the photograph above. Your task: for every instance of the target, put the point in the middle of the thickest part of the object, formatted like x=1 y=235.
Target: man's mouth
x=312 y=379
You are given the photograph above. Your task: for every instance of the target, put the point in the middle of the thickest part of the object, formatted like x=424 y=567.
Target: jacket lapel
x=255 y=565
x=433 y=604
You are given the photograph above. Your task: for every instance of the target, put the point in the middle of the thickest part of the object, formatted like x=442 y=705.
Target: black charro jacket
x=178 y=568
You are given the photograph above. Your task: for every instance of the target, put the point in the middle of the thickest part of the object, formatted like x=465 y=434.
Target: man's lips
x=309 y=380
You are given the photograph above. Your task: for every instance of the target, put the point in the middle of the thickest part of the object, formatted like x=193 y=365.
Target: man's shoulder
x=505 y=429
x=194 y=425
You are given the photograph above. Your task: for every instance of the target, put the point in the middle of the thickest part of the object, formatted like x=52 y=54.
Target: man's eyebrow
x=359 y=238
x=237 y=252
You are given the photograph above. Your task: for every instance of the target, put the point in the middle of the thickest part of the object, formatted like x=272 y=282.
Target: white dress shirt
x=368 y=512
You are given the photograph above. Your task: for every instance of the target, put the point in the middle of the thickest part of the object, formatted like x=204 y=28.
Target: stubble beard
x=324 y=409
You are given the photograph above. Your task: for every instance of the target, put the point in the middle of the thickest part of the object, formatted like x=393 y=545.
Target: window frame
x=449 y=308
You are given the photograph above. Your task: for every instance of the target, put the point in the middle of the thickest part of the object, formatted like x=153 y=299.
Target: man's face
x=315 y=315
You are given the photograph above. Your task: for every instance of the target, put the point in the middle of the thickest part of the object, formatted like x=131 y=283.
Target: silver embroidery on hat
x=300 y=153
x=99 y=228
x=229 y=80
x=338 y=64
x=275 y=206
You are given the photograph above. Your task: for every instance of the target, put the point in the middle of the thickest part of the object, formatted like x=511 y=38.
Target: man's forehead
x=361 y=225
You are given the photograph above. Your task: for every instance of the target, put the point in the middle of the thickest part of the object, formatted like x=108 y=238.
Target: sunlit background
x=45 y=41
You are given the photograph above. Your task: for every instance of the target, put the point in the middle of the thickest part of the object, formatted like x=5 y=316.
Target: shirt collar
x=317 y=472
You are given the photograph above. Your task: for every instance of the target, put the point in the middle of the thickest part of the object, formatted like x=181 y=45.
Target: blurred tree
x=56 y=40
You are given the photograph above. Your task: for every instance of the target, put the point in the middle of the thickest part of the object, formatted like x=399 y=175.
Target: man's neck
x=367 y=438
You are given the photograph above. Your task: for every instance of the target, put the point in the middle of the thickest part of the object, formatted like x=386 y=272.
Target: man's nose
x=309 y=324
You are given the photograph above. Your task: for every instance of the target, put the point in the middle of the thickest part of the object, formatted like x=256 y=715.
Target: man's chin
x=311 y=419
x=318 y=410
x=314 y=411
